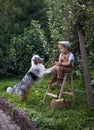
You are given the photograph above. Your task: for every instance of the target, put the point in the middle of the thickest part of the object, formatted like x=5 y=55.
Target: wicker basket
x=60 y=103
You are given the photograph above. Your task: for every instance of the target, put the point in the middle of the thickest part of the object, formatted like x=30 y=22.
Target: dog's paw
x=9 y=90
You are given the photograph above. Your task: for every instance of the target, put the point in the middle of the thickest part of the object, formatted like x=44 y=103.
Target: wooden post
x=85 y=69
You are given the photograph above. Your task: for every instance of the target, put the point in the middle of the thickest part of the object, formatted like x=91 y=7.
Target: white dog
x=34 y=74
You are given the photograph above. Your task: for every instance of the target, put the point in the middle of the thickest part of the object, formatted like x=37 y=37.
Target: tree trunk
x=85 y=70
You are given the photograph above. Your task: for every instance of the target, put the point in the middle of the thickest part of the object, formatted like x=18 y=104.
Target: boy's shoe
x=52 y=81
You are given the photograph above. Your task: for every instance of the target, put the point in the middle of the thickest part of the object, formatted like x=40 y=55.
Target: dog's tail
x=10 y=90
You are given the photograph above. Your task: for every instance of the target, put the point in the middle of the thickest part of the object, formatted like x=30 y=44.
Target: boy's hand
x=57 y=63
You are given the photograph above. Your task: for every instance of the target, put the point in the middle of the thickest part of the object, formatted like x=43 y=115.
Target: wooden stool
x=62 y=92
x=71 y=92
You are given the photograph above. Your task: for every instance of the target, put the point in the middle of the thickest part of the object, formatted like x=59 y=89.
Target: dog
x=33 y=76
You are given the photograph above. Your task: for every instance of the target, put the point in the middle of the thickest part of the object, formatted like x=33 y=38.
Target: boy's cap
x=65 y=43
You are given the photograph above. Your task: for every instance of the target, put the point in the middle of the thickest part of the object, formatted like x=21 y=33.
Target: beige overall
x=58 y=71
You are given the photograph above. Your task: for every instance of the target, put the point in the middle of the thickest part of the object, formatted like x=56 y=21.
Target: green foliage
x=78 y=117
x=83 y=17
x=61 y=25
x=65 y=18
x=24 y=46
x=60 y=20
x=14 y=17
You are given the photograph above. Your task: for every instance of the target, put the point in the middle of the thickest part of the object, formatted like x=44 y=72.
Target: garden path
x=6 y=122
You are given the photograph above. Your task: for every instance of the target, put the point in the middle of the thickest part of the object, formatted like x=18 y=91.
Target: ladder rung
x=68 y=93
x=52 y=95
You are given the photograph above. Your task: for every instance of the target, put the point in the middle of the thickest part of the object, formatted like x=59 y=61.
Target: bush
x=23 y=46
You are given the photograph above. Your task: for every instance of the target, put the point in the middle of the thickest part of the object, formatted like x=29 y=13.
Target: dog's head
x=36 y=59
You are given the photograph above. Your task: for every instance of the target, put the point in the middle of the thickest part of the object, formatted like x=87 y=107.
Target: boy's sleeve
x=71 y=57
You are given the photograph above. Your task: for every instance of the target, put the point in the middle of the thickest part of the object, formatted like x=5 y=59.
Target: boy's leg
x=59 y=76
x=60 y=71
x=54 y=76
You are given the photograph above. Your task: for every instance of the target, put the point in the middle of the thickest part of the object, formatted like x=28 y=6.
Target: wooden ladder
x=61 y=92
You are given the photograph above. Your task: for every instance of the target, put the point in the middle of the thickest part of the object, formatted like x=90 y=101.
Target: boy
x=64 y=65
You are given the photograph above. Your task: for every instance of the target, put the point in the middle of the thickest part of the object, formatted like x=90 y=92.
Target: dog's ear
x=33 y=60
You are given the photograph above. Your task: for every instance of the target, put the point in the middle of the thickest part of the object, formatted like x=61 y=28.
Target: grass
x=78 y=117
